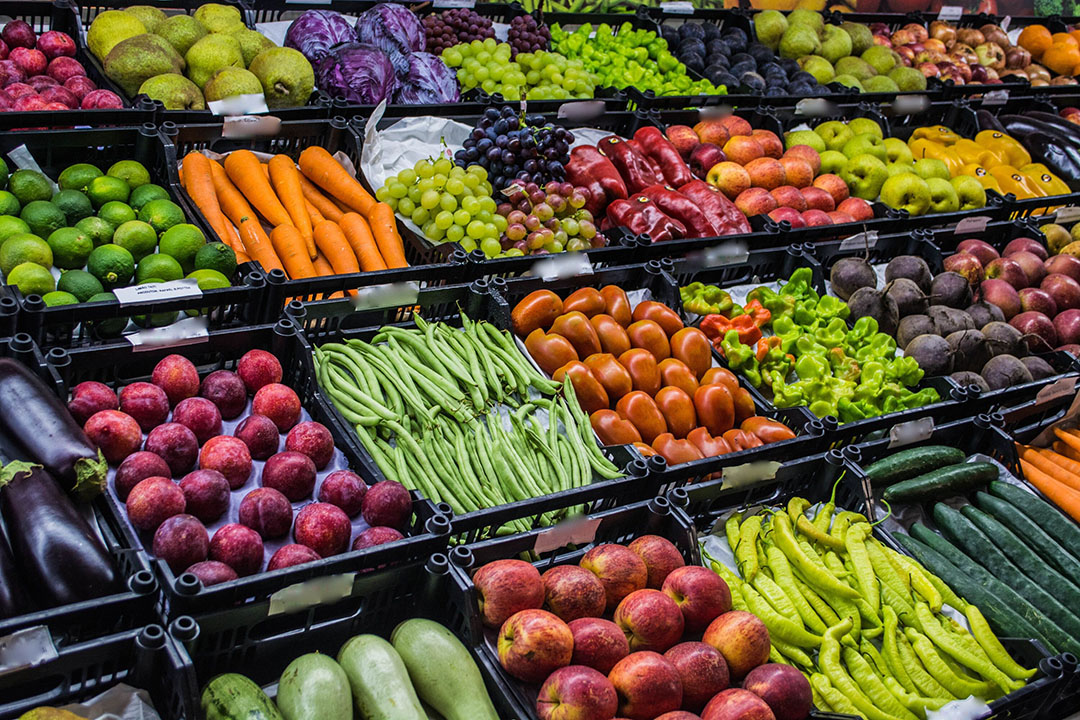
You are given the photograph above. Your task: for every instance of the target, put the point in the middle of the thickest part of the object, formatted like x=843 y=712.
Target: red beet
x=200 y=416
x=207 y=494
x=153 y=501
x=229 y=456
x=90 y=397
x=239 y=547
x=212 y=572
x=181 y=541
x=292 y=473
x=137 y=467
x=324 y=528
x=267 y=512
x=279 y=403
x=345 y=489
x=18 y=33
x=146 y=403
x=373 y=536
x=176 y=445
x=258 y=368
x=116 y=433
x=312 y=439
x=289 y=555
x=387 y=503
x=260 y=434
x=63 y=69
x=101 y=100
x=174 y=374
x=225 y=389
x=56 y=44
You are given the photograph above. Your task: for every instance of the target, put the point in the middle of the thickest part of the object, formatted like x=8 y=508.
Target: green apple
x=861 y=125
x=927 y=168
x=864 y=175
x=866 y=143
x=882 y=59
x=819 y=67
x=833 y=161
x=943 y=197
x=906 y=191
x=835 y=43
x=897 y=168
x=897 y=151
x=834 y=133
x=770 y=26
x=971 y=193
x=804 y=137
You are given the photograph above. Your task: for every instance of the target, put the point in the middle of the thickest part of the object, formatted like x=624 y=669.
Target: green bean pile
x=426 y=402
x=884 y=650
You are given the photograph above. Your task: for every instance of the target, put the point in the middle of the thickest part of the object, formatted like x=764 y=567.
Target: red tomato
x=639 y=408
x=708 y=445
x=742 y=440
x=612 y=429
x=613 y=337
x=715 y=408
x=676 y=452
x=587 y=301
x=550 y=351
x=590 y=393
x=616 y=304
x=678 y=410
x=767 y=429
x=538 y=309
x=692 y=347
x=675 y=373
x=743 y=403
x=641 y=364
x=650 y=336
x=613 y=376
x=576 y=328
x=720 y=376
x=659 y=313
x=645 y=450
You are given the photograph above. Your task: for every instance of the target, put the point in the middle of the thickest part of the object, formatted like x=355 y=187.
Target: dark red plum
x=278 y=402
x=312 y=439
x=137 y=467
x=267 y=512
x=212 y=572
x=373 y=536
x=292 y=554
x=176 y=445
x=181 y=541
x=229 y=456
x=200 y=416
x=258 y=368
x=225 y=389
x=116 y=433
x=260 y=434
x=153 y=501
x=239 y=547
x=324 y=528
x=345 y=489
x=291 y=473
x=177 y=376
x=146 y=403
x=90 y=397
x=207 y=494
x=387 y=503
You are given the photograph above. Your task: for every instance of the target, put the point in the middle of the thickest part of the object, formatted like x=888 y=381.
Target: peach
x=572 y=592
x=650 y=619
x=807 y=154
x=834 y=185
x=278 y=402
x=797 y=171
x=789 y=196
x=229 y=456
x=145 y=402
x=660 y=556
x=598 y=643
x=258 y=368
x=115 y=433
x=741 y=638
x=818 y=199
x=619 y=569
x=765 y=172
x=742 y=149
x=177 y=376
x=755 y=201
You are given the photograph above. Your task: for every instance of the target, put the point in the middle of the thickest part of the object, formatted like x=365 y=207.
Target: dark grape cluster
x=527 y=36
x=512 y=149
x=453 y=27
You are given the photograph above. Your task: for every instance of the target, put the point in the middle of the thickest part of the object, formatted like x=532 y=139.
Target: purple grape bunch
x=453 y=27
x=527 y=36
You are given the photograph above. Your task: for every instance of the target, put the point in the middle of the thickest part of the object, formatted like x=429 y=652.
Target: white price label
x=581 y=111
x=1069 y=213
x=386 y=295
x=910 y=104
x=157 y=292
x=996 y=97
x=247 y=126
x=749 y=473
x=562 y=265
x=190 y=331
x=950 y=13
x=677 y=7
x=970 y=225
x=26 y=648
x=732 y=252
x=860 y=241
x=577 y=531
x=454 y=3
x=910 y=432
x=813 y=107
x=239 y=105
x=317 y=591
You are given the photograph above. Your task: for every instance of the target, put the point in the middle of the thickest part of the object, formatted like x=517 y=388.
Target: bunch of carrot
x=324 y=222
x=1056 y=472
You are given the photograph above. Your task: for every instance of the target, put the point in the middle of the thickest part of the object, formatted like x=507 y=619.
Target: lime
x=70 y=248
x=3 y=173
x=136 y=237
x=209 y=279
x=162 y=267
x=100 y=231
x=182 y=242
x=43 y=217
x=30 y=185
x=216 y=256
x=130 y=171
x=162 y=214
x=106 y=189
x=112 y=327
x=24 y=247
x=116 y=214
x=9 y=204
x=73 y=204
x=58 y=297
x=112 y=265
x=31 y=279
x=157 y=319
x=79 y=283
x=145 y=193
x=11 y=225
x=78 y=177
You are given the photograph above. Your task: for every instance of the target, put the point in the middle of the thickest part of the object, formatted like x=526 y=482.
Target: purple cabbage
x=316 y=32
x=395 y=30
x=428 y=82
x=360 y=73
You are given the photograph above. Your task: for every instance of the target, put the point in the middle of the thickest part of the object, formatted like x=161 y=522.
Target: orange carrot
x=290 y=247
x=258 y=244
x=231 y=201
x=1063 y=449
x=1068 y=438
x=384 y=228
x=319 y=201
x=1060 y=460
x=322 y=169
x=246 y=174
x=315 y=216
x=286 y=181
x=322 y=265
x=233 y=241
x=363 y=244
x=335 y=247
x=200 y=186
x=1063 y=496
x=1045 y=465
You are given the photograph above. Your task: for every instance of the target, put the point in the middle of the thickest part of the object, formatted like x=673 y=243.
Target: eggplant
x=987 y=121
x=32 y=414
x=1064 y=126
x=14 y=599
x=60 y=556
x=1063 y=160
x=1026 y=125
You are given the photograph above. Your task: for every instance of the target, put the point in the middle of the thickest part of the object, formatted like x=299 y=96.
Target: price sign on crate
x=950 y=13
x=677 y=7
x=909 y=432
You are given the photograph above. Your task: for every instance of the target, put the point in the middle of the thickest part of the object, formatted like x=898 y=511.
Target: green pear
x=148 y=15
x=833 y=161
x=231 y=81
x=210 y=54
x=286 y=76
x=799 y=40
x=862 y=125
x=855 y=67
x=897 y=151
x=927 y=168
x=908 y=79
x=865 y=144
x=111 y=28
x=895 y=168
x=881 y=84
x=881 y=58
x=835 y=43
x=251 y=43
x=135 y=60
x=809 y=18
x=834 y=133
x=971 y=193
x=174 y=91
x=943 y=197
x=864 y=175
x=906 y=191
x=217 y=18
x=861 y=37
x=181 y=31
x=804 y=137
x=819 y=67
x=849 y=81
x=770 y=25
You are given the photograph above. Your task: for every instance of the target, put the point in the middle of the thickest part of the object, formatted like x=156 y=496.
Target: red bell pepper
x=590 y=169
x=727 y=218
x=636 y=170
x=758 y=312
x=716 y=326
x=640 y=215
x=657 y=147
x=676 y=205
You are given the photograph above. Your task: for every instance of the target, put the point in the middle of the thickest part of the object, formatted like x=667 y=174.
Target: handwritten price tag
x=969 y=225
x=157 y=292
x=950 y=13
x=1067 y=214
x=1060 y=388
x=454 y=3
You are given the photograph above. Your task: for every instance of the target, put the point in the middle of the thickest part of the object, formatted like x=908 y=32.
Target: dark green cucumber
x=1006 y=621
x=1047 y=630
x=1031 y=533
x=1055 y=522
x=979 y=548
x=943 y=483
x=908 y=464
x=1023 y=556
x=236 y=697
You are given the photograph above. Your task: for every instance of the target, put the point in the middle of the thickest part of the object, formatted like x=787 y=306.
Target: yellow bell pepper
x=1004 y=145
x=937 y=133
x=970 y=151
x=923 y=148
x=1013 y=181
x=1050 y=183
x=988 y=181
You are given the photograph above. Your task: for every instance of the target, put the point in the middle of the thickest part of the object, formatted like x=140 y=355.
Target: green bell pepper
x=833 y=334
x=800 y=285
x=740 y=358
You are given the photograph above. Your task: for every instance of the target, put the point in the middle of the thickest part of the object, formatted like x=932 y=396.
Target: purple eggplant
x=32 y=414
x=60 y=556
x=13 y=597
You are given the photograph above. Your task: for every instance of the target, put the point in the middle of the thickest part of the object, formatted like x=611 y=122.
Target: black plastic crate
x=260 y=639
x=119 y=363
x=995 y=232
x=145 y=658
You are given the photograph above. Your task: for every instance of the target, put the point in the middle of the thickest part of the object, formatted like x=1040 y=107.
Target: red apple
x=1000 y=293
x=1038 y=301
x=789 y=196
x=573 y=592
x=619 y=569
x=857 y=208
x=981 y=249
x=703 y=671
x=648 y=685
x=835 y=186
x=1064 y=290
x=736 y=704
x=677 y=715
x=783 y=688
x=506 y=586
x=1008 y=270
x=1064 y=264
x=534 y=643
x=650 y=619
x=755 y=201
x=818 y=198
x=814 y=218
x=840 y=218
x=577 y=692
x=741 y=638
x=598 y=643
x=684 y=139
x=1038 y=330
x=660 y=557
x=701 y=595
x=1033 y=266
x=792 y=216
x=703 y=157
x=1025 y=244
x=966 y=264
x=1067 y=325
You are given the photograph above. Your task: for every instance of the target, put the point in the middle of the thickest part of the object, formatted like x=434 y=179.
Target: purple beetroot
x=312 y=439
x=176 y=445
x=345 y=489
x=212 y=572
x=324 y=528
x=153 y=501
x=229 y=456
x=146 y=403
x=181 y=541
x=200 y=416
x=207 y=494
x=239 y=547
x=373 y=536
x=387 y=503
x=137 y=467
x=260 y=434
x=289 y=555
x=267 y=512
x=291 y=473
x=91 y=397
x=225 y=389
